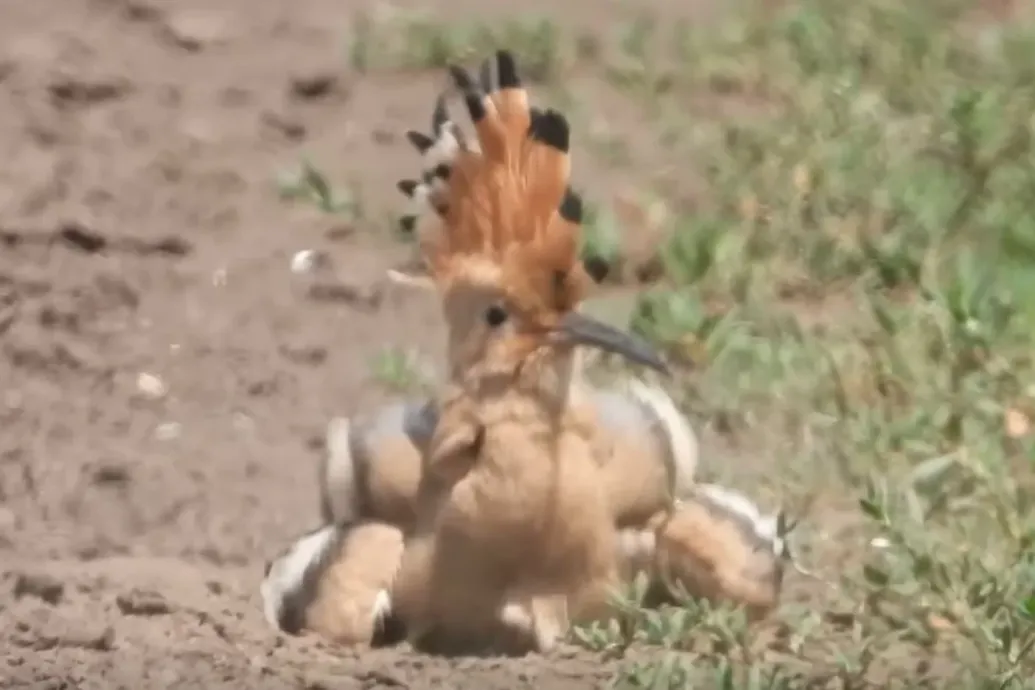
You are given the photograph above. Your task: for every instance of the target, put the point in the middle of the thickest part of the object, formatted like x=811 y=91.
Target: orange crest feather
x=508 y=203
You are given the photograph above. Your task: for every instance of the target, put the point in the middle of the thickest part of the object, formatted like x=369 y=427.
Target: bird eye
x=495 y=316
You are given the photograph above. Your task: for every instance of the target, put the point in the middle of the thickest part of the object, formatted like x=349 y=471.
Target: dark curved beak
x=579 y=329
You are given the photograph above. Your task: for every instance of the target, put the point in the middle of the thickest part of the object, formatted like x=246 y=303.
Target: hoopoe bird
x=334 y=581
x=513 y=522
x=713 y=543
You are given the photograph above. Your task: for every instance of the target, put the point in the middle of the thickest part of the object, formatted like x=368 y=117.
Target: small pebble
x=151 y=386
x=307 y=261
x=196 y=30
x=168 y=431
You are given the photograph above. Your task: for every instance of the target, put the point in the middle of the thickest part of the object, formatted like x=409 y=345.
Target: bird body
x=646 y=449
x=714 y=544
x=525 y=493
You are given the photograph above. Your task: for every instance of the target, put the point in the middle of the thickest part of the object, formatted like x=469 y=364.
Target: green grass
x=399 y=370
x=856 y=294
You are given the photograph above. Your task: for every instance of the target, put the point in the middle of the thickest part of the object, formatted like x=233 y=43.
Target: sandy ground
x=140 y=234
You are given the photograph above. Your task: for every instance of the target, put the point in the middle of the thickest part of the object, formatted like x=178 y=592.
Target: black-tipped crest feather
x=534 y=114
x=473 y=96
x=475 y=105
x=407 y=187
x=440 y=115
x=551 y=128
x=441 y=171
x=485 y=77
x=571 y=207
x=506 y=71
x=422 y=142
x=461 y=78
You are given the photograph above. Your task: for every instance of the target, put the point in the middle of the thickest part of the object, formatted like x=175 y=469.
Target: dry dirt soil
x=141 y=234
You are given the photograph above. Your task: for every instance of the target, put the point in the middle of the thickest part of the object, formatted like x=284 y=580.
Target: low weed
x=855 y=292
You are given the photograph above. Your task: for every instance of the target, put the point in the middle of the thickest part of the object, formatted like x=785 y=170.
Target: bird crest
x=503 y=245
